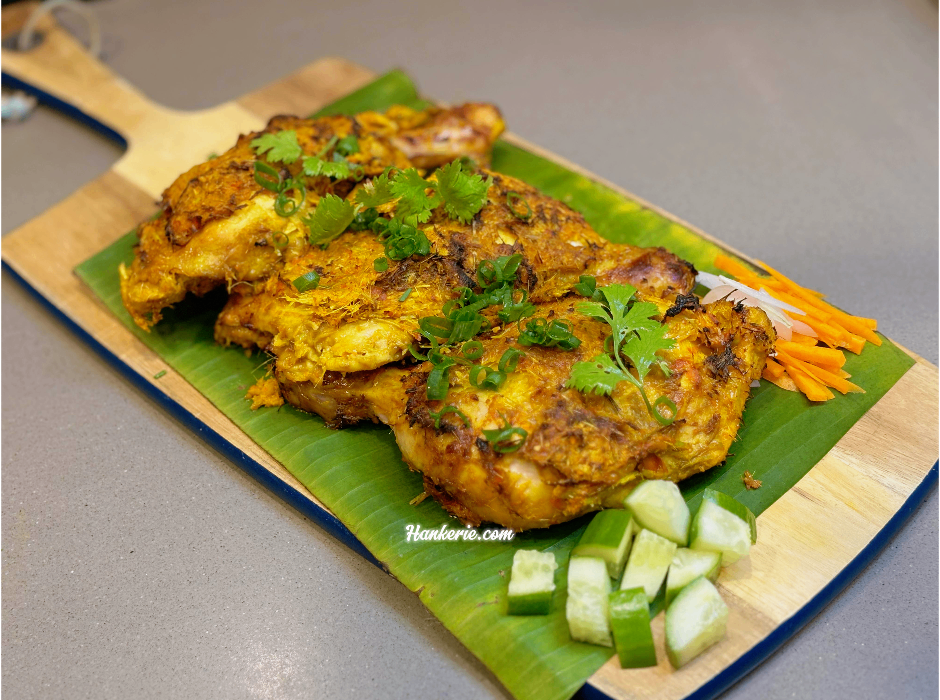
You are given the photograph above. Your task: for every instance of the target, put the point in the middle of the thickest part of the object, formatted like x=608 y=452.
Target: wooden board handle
x=62 y=67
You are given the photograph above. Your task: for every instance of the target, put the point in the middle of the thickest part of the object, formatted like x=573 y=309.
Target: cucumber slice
x=648 y=563
x=659 y=506
x=695 y=621
x=714 y=529
x=687 y=565
x=608 y=536
x=586 y=608
x=735 y=506
x=531 y=582
x=630 y=623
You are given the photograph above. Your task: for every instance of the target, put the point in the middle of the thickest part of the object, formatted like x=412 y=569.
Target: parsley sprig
x=636 y=335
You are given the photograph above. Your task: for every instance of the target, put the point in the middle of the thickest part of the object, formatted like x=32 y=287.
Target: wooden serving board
x=814 y=539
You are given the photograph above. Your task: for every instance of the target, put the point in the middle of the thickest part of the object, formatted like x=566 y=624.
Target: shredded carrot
x=731 y=266
x=813 y=389
x=850 y=323
x=821 y=375
x=804 y=363
x=824 y=330
x=773 y=369
x=854 y=343
x=803 y=339
x=815 y=355
x=783 y=381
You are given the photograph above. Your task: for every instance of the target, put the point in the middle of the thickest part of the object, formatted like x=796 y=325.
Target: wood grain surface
x=806 y=538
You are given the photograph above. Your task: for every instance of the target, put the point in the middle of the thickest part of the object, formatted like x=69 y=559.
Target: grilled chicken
x=356 y=319
x=341 y=350
x=583 y=452
x=217 y=225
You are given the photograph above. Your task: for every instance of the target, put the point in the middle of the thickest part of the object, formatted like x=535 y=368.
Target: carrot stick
x=803 y=306
x=870 y=322
x=855 y=344
x=732 y=266
x=773 y=369
x=783 y=381
x=813 y=389
x=850 y=323
x=821 y=375
x=823 y=329
x=803 y=339
x=813 y=355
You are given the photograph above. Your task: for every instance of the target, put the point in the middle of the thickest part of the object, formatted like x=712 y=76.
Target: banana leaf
x=359 y=474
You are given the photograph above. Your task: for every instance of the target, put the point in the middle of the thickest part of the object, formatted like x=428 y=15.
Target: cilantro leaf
x=618 y=296
x=375 y=193
x=641 y=348
x=315 y=166
x=347 y=145
x=599 y=376
x=637 y=336
x=463 y=195
x=281 y=146
x=414 y=203
x=329 y=219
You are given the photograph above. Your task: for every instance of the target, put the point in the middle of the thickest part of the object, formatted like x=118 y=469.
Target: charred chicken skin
x=218 y=225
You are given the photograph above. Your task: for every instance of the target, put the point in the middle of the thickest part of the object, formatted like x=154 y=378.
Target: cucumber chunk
x=586 y=608
x=659 y=506
x=630 y=624
x=715 y=529
x=695 y=621
x=733 y=505
x=608 y=536
x=648 y=563
x=531 y=582
x=687 y=565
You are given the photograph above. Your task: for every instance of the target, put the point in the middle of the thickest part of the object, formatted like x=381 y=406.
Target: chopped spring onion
x=492 y=378
x=307 y=281
x=159 y=374
x=286 y=206
x=380 y=264
x=472 y=350
x=438 y=382
x=514 y=197
x=405 y=296
x=268 y=177
x=538 y=331
x=280 y=240
x=437 y=415
x=510 y=360
x=503 y=440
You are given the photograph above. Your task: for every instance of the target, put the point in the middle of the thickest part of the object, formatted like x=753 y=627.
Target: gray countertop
x=139 y=563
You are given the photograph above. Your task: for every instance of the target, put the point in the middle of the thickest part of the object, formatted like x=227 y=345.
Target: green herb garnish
x=514 y=197
x=347 y=146
x=159 y=374
x=637 y=336
x=586 y=286
x=280 y=240
x=510 y=360
x=287 y=206
x=504 y=439
x=380 y=264
x=268 y=177
x=444 y=411
x=307 y=281
x=280 y=147
x=405 y=296
x=329 y=219
x=558 y=334
x=463 y=195
x=491 y=378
